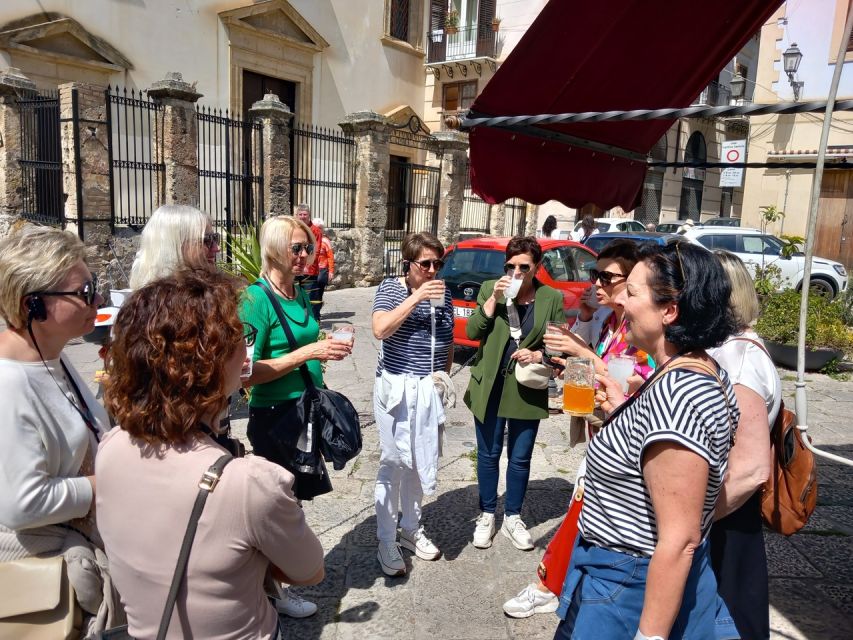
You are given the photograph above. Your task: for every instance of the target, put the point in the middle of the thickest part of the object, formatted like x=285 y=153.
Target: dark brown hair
x=171 y=341
x=524 y=244
x=623 y=252
x=414 y=243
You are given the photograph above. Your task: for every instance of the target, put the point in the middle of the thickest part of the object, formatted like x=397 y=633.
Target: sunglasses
x=510 y=268
x=298 y=247
x=426 y=264
x=249 y=334
x=605 y=277
x=211 y=239
x=89 y=291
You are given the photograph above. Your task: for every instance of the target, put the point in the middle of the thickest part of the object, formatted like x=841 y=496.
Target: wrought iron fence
x=476 y=212
x=412 y=207
x=136 y=167
x=322 y=173
x=230 y=169
x=42 y=199
x=515 y=220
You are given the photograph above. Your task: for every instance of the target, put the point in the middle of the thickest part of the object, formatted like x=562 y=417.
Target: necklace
x=283 y=294
x=303 y=321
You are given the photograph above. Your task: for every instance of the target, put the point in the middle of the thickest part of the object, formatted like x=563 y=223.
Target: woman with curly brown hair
x=177 y=355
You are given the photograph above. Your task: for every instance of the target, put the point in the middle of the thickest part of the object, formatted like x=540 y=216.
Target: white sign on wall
x=733 y=151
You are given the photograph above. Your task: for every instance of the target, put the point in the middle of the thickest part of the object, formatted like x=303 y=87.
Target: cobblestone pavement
x=460 y=595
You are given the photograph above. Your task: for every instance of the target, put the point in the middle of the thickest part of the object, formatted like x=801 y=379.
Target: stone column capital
x=173 y=87
x=361 y=122
x=451 y=141
x=273 y=108
x=12 y=82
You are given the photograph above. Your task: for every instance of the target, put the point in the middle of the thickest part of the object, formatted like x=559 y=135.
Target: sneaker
x=484 y=531
x=390 y=559
x=293 y=606
x=514 y=529
x=417 y=542
x=529 y=601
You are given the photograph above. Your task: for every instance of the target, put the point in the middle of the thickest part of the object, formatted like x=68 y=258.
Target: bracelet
x=642 y=636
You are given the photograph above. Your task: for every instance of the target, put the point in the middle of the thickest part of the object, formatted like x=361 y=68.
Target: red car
x=565 y=266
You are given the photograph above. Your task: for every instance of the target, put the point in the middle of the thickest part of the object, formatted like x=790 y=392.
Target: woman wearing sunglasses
x=494 y=396
x=287 y=249
x=413 y=317
x=50 y=422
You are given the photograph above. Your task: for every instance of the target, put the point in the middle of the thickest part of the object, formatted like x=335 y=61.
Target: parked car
x=614 y=224
x=759 y=249
x=668 y=227
x=601 y=240
x=721 y=222
x=565 y=266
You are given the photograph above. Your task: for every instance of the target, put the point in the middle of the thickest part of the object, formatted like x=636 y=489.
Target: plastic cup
x=579 y=387
x=246 y=371
x=513 y=288
x=438 y=301
x=620 y=368
x=343 y=331
x=592 y=300
x=555 y=329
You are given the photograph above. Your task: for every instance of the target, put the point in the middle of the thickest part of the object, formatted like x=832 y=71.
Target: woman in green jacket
x=494 y=396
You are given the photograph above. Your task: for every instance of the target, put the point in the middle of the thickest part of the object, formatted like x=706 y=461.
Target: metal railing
x=515 y=220
x=475 y=41
x=412 y=207
x=714 y=95
x=476 y=212
x=42 y=199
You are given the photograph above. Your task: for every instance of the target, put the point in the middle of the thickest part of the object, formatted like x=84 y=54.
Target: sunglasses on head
x=298 y=247
x=510 y=268
x=605 y=277
x=88 y=292
x=426 y=264
x=211 y=239
x=249 y=334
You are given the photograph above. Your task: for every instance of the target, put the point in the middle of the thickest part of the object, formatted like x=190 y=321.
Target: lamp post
x=790 y=63
x=737 y=85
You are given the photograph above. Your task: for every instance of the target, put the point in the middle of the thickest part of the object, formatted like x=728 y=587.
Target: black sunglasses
x=425 y=264
x=605 y=277
x=211 y=239
x=298 y=247
x=249 y=334
x=88 y=292
x=510 y=268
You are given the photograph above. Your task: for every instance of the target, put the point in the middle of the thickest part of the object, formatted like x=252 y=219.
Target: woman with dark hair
x=497 y=400
x=641 y=564
x=549 y=226
x=177 y=355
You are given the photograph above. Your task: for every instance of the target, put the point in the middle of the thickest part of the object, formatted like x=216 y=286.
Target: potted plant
x=451 y=22
x=496 y=24
x=827 y=336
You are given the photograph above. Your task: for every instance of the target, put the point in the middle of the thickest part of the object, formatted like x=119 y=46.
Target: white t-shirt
x=748 y=365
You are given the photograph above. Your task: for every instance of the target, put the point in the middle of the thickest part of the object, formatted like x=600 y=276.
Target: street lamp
x=737 y=85
x=791 y=62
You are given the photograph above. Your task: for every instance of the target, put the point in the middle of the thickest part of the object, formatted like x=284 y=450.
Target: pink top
x=144 y=499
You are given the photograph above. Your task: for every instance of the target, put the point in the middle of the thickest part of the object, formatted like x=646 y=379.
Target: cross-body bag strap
x=288 y=332
x=514 y=323
x=208 y=482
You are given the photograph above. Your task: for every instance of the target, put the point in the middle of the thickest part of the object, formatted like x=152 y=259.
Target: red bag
x=555 y=562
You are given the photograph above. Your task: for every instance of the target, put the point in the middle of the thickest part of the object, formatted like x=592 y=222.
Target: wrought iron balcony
x=714 y=95
x=477 y=41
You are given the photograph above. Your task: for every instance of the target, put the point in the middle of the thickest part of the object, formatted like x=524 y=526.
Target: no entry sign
x=732 y=151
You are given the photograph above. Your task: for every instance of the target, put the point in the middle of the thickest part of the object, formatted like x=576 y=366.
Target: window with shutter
x=404 y=21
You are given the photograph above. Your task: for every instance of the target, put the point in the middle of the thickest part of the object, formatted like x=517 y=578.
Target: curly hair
x=524 y=244
x=692 y=277
x=172 y=339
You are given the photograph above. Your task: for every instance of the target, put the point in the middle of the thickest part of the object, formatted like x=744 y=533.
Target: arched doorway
x=649 y=209
x=692 y=180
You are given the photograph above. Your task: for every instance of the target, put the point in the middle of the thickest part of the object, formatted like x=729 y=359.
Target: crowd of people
x=669 y=543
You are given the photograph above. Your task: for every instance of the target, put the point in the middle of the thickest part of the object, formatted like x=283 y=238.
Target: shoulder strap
x=755 y=342
x=208 y=482
x=514 y=322
x=288 y=332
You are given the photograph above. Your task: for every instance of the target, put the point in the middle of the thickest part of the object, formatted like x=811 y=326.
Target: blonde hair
x=34 y=259
x=276 y=234
x=743 y=301
x=172 y=239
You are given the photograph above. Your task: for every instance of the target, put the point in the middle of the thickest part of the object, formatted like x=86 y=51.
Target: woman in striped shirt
x=641 y=565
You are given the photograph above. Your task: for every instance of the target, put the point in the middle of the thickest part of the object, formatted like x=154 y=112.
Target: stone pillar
x=12 y=82
x=275 y=118
x=531 y=219
x=497 y=220
x=371 y=133
x=178 y=144
x=452 y=156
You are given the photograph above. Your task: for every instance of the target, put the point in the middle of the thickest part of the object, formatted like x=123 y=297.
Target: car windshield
x=472 y=265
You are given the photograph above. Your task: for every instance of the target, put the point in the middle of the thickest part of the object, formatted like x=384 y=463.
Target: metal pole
x=801 y=400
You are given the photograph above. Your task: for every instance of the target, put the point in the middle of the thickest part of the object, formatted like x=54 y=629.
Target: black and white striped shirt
x=684 y=407
x=408 y=349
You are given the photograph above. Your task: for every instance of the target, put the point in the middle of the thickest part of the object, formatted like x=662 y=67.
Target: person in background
x=177 y=356
x=309 y=278
x=549 y=227
x=588 y=228
x=687 y=226
x=737 y=542
x=651 y=226
x=176 y=236
x=325 y=264
x=498 y=402
x=407 y=406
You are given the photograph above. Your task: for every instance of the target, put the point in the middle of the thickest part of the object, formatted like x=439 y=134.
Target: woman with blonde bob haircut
x=176 y=236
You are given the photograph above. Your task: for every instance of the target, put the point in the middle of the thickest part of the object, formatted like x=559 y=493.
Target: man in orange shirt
x=325 y=263
x=309 y=282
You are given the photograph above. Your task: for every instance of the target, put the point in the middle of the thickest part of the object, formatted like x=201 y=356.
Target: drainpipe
x=785 y=201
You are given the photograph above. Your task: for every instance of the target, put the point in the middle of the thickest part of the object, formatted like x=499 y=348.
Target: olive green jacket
x=517 y=401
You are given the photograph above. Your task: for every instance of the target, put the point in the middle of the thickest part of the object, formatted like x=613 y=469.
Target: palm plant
x=245 y=251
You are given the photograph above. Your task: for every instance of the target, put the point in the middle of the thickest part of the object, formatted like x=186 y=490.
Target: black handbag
x=209 y=480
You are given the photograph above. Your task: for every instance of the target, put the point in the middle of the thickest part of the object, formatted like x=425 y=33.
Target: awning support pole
x=800 y=398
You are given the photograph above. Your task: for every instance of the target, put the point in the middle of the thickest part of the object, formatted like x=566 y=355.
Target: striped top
x=684 y=407
x=408 y=349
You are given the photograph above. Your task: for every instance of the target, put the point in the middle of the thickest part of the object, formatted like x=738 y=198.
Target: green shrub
x=825 y=326
x=245 y=253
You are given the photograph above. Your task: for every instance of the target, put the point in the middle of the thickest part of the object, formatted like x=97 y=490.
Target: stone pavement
x=460 y=595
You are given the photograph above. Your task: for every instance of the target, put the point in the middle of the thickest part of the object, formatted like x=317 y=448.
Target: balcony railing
x=714 y=95
x=468 y=42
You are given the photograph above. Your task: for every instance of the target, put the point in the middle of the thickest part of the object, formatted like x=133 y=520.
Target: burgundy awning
x=600 y=56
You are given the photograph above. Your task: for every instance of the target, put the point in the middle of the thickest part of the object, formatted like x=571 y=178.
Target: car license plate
x=463 y=312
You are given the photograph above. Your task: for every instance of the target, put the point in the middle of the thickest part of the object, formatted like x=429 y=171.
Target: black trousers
x=740 y=565
x=315 y=294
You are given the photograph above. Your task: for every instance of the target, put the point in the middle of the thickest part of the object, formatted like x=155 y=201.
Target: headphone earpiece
x=406 y=266
x=37 y=310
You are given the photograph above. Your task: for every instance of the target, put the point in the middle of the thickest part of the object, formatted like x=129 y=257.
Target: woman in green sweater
x=496 y=399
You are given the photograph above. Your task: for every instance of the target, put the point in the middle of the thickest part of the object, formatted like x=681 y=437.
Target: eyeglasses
x=89 y=291
x=211 y=239
x=605 y=277
x=298 y=247
x=680 y=263
x=510 y=268
x=249 y=335
x=426 y=264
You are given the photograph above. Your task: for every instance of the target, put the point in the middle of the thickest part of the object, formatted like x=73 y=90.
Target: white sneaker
x=390 y=559
x=484 y=531
x=514 y=529
x=531 y=600
x=293 y=606
x=417 y=542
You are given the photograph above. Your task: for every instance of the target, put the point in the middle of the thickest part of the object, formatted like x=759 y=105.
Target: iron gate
x=515 y=220
x=476 y=212
x=42 y=199
x=412 y=207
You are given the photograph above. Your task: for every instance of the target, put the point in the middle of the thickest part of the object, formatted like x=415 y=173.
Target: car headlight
x=840 y=269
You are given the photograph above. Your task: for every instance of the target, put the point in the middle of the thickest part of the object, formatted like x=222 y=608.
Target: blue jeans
x=490 y=442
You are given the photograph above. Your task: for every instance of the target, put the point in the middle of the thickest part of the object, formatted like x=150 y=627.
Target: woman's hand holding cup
x=609 y=394
x=565 y=342
x=499 y=292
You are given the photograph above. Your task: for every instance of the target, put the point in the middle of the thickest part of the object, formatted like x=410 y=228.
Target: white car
x=614 y=224
x=758 y=249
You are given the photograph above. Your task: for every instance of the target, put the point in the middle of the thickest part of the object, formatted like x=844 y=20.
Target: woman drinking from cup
x=495 y=397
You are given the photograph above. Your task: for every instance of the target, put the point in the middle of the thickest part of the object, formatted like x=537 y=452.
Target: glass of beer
x=579 y=387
